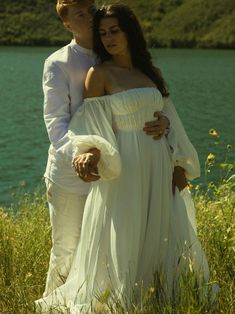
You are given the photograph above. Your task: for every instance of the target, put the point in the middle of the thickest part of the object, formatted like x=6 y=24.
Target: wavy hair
x=140 y=55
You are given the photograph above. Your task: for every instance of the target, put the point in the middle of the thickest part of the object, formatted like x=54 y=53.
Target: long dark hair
x=129 y=24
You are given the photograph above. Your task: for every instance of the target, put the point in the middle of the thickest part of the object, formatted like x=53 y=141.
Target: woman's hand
x=86 y=165
x=179 y=179
x=157 y=128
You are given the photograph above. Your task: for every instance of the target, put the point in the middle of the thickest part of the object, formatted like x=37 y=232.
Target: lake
x=202 y=86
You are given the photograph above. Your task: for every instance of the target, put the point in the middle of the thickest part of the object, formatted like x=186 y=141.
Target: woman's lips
x=111 y=46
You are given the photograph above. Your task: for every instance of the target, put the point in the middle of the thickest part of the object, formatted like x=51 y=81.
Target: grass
x=25 y=247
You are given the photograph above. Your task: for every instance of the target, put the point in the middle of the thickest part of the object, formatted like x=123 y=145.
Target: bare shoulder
x=95 y=81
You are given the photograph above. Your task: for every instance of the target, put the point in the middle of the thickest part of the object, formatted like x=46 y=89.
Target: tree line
x=166 y=23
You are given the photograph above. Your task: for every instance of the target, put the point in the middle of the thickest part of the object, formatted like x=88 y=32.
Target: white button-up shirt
x=63 y=84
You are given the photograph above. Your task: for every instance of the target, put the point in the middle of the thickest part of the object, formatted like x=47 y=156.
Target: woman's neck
x=123 y=61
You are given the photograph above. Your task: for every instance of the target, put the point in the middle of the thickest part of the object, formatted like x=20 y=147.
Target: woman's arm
x=183 y=152
x=86 y=164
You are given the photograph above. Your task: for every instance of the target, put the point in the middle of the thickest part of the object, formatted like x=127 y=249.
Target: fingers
x=158 y=114
x=85 y=170
x=158 y=137
x=87 y=174
x=161 y=121
x=80 y=166
x=86 y=167
x=156 y=132
x=156 y=128
x=156 y=124
x=89 y=177
x=153 y=130
x=150 y=124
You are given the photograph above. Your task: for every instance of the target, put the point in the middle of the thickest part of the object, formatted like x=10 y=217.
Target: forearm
x=57 y=114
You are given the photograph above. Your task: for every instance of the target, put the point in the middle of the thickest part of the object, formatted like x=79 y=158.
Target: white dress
x=133 y=226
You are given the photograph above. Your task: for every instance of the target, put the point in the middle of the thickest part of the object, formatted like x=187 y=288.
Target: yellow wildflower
x=28 y=275
x=213 y=133
x=190 y=186
x=210 y=158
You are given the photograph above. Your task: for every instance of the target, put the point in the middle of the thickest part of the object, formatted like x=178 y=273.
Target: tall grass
x=25 y=247
x=24 y=251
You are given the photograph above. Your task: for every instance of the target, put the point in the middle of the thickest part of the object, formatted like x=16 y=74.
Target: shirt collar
x=81 y=49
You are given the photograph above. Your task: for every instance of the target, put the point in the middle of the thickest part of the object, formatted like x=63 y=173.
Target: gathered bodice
x=132 y=108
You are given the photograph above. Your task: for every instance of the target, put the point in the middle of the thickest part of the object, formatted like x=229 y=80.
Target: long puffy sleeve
x=91 y=126
x=56 y=103
x=183 y=152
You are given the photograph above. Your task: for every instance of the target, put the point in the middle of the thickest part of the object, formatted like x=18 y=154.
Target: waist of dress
x=128 y=123
x=128 y=127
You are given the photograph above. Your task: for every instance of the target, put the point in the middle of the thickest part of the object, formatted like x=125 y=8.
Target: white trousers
x=66 y=211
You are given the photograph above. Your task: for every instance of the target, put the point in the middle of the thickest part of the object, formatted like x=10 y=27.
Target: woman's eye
x=114 y=31
x=111 y=32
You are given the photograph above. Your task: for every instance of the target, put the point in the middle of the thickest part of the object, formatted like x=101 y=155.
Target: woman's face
x=112 y=37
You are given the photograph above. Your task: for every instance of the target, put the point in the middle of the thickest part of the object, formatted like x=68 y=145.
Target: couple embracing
x=120 y=210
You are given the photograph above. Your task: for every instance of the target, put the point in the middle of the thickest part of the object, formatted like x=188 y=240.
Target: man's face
x=80 y=18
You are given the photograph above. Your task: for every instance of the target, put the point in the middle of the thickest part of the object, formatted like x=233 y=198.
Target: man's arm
x=56 y=106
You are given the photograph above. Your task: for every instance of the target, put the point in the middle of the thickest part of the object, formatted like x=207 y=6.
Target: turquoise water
x=201 y=85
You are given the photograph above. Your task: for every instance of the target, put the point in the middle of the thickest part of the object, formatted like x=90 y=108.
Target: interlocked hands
x=85 y=165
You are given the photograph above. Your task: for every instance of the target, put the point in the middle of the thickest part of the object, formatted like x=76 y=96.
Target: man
x=63 y=83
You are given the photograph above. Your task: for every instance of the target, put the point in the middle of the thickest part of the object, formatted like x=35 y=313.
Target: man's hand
x=156 y=128
x=179 y=179
x=86 y=165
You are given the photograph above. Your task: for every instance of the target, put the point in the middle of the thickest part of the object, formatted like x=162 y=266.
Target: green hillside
x=167 y=23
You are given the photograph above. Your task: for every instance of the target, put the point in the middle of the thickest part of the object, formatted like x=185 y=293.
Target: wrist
x=95 y=151
x=179 y=169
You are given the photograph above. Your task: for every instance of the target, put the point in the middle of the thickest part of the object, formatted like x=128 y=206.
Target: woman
x=134 y=228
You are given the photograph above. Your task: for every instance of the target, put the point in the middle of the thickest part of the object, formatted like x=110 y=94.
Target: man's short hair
x=63 y=5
